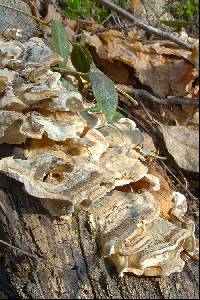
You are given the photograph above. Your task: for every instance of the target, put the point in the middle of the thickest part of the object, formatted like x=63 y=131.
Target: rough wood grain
x=69 y=264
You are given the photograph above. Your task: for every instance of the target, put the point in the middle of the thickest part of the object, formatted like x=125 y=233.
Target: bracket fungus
x=73 y=155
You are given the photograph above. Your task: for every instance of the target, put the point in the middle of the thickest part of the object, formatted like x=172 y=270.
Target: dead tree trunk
x=67 y=263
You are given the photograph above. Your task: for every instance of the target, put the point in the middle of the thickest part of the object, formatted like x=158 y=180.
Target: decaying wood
x=69 y=264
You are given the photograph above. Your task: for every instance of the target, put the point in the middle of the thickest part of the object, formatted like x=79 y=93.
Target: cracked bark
x=69 y=264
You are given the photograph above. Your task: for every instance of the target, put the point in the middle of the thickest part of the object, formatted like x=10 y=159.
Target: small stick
x=181 y=184
x=158 y=157
x=113 y=27
x=140 y=24
x=68 y=71
x=24 y=13
x=155 y=122
x=108 y=18
x=132 y=100
x=30 y=255
x=143 y=96
x=20 y=250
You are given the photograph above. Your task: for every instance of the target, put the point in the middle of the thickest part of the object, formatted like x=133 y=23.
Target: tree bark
x=67 y=264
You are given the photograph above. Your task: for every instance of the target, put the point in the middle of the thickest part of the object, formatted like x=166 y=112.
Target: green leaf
x=82 y=40
x=72 y=14
x=2 y=17
x=60 y=41
x=74 y=4
x=95 y=109
x=70 y=87
x=117 y=116
x=176 y=24
x=81 y=58
x=104 y=91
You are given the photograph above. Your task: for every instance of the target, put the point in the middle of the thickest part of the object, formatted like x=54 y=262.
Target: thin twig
x=143 y=96
x=68 y=71
x=181 y=184
x=158 y=157
x=132 y=100
x=153 y=121
x=117 y=27
x=31 y=255
x=140 y=24
x=108 y=18
x=20 y=250
x=24 y=13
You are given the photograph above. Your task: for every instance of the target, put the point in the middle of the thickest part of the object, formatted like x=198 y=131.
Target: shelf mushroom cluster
x=73 y=156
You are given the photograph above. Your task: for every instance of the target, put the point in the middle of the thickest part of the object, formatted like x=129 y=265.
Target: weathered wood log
x=67 y=262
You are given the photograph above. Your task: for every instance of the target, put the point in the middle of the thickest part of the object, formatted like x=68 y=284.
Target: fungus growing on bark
x=74 y=156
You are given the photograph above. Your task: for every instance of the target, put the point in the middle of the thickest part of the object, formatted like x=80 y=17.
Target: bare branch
x=20 y=250
x=131 y=99
x=140 y=24
x=143 y=96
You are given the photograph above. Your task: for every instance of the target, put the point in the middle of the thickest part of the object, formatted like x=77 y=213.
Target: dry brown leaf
x=195 y=119
x=72 y=24
x=191 y=110
x=53 y=14
x=136 y=5
x=96 y=42
x=183 y=144
x=169 y=48
x=35 y=7
x=114 y=70
x=158 y=65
